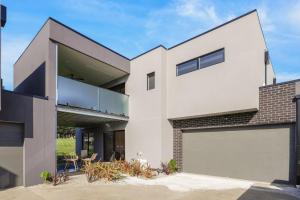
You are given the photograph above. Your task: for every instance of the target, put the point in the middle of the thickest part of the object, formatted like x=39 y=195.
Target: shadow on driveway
x=257 y=193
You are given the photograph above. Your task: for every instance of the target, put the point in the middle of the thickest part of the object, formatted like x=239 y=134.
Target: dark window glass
x=151 y=81
x=187 y=67
x=212 y=58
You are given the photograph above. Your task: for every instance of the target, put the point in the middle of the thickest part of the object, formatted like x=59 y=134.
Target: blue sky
x=132 y=27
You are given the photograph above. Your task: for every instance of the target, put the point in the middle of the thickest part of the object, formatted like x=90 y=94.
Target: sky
x=132 y=27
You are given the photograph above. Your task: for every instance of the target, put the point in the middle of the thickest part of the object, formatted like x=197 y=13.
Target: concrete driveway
x=179 y=186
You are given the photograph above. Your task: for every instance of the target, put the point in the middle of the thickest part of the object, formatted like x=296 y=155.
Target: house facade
x=210 y=102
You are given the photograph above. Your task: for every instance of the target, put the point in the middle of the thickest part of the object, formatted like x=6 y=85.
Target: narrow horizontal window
x=187 y=67
x=212 y=58
x=151 y=81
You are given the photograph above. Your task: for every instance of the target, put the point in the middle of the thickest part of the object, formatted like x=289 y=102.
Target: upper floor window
x=187 y=67
x=151 y=81
x=201 y=62
x=212 y=58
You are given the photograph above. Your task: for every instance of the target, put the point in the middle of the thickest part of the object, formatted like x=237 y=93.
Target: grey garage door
x=11 y=154
x=258 y=153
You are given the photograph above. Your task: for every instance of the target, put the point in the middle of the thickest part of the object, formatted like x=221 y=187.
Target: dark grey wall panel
x=34 y=84
x=17 y=108
x=11 y=154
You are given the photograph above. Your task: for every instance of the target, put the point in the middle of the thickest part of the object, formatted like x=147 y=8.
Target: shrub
x=46 y=176
x=99 y=170
x=56 y=179
x=172 y=165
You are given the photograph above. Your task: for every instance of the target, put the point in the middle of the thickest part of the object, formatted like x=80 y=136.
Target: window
x=187 y=67
x=212 y=58
x=151 y=81
x=201 y=62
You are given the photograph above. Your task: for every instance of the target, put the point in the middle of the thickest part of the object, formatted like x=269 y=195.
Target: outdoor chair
x=89 y=160
x=71 y=159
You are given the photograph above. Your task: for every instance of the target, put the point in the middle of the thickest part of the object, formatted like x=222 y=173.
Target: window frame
x=177 y=66
x=222 y=49
x=199 y=61
x=148 y=78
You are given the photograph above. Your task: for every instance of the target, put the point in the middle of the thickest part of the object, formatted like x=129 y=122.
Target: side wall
x=39 y=140
x=148 y=130
x=40 y=149
x=228 y=87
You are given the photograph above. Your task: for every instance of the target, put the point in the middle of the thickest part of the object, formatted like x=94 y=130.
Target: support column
x=98 y=144
x=78 y=137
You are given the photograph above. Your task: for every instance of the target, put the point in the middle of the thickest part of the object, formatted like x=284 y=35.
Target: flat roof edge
x=73 y=30
x=199 y=35
x=217 y=27
x=86 y=37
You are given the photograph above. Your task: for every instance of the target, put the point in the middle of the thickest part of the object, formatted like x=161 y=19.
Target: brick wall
x=177 y=147
x=276 y=106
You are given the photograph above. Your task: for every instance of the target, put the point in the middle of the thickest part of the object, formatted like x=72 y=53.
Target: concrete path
x=77 y=188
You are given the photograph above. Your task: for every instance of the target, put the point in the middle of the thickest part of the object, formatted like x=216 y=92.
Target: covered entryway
x=11 y=154
x=95 y=133
x=262 y=153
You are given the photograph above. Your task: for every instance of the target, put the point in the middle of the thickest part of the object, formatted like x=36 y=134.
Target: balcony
x=81 y=95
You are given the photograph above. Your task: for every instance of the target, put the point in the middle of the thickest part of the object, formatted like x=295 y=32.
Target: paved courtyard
x=179 y=186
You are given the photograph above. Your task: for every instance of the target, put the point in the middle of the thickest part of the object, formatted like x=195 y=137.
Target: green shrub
x=172 y=165
x=46 y=176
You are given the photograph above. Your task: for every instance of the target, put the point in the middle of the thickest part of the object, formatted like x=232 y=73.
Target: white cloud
x=287 y=76
x=266 y=20
x=198 y=9
x=180 y=20
x=294 y=16
x=12 y=48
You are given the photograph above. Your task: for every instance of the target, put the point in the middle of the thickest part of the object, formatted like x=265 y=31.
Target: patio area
x=178 y=186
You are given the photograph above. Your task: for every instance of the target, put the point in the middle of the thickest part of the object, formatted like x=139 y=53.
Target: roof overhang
x=62 y=34
x=79 y=66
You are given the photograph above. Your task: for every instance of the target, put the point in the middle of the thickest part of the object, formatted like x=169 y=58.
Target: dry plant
x=99 y=170
x=113 y=171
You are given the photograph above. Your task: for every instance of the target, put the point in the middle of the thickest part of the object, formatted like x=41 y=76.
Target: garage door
x=11 y=155
x=261 y=154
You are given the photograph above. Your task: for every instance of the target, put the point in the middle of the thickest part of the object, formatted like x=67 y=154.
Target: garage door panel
x=11 y=155
x=254 y=153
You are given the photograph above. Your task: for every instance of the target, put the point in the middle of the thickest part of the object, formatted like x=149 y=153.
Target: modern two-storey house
x=211 y=103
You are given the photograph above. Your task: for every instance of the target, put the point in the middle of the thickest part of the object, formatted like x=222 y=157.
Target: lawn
x=64 y=146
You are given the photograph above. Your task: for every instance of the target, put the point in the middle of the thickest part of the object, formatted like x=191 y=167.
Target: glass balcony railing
x=82 y=95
